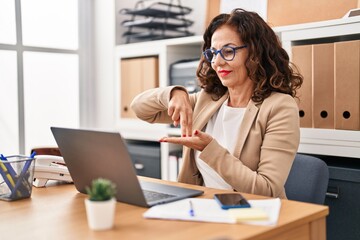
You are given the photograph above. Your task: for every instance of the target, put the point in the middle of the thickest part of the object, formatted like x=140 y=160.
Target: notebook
x=90 y=154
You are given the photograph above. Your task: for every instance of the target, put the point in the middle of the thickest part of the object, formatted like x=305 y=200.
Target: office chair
x=308 y=180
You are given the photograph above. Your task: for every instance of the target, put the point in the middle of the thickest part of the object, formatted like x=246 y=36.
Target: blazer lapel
x=207 y=108
x=249 y=117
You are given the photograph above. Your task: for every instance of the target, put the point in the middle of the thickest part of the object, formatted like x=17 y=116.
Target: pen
x=7 y=169
x=8 y=166
x=191 y=211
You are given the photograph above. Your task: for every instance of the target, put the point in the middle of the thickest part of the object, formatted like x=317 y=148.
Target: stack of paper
x=262 y=212
x=248 y=214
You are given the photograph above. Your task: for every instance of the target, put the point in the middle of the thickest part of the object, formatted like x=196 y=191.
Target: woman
x=245 y=118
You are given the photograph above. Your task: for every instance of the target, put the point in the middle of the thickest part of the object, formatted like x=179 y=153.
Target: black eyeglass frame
x=215 y=52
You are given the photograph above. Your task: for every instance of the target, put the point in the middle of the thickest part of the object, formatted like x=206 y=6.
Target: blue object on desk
x=23 y=187
x=9 y=180
x=191 y=211
x=8 y=166
x=7 y=172
x=19 y=185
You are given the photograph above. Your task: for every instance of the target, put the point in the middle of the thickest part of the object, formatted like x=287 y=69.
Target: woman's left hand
x=198 y=141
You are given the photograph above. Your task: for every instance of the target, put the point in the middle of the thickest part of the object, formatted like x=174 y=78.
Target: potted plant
x=100 y=206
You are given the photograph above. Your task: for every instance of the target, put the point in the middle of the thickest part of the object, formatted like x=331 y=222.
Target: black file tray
x=157 y=21
x=160 y=10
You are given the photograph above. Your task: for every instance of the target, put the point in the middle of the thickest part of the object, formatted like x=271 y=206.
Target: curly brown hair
x=267 y=64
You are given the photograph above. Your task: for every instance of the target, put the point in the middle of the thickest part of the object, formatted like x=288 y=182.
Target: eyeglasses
x=226 y=52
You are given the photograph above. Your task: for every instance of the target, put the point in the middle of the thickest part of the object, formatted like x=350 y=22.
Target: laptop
x=90 y=154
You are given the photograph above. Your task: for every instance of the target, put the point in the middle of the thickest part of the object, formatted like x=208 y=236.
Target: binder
x=302 y=58
x=347 y=85
x=323 y=86
x=135 y=81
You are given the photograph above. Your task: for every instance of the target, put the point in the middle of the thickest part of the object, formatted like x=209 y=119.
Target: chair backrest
x=308 y=180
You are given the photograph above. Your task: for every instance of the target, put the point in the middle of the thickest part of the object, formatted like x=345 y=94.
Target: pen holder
x=16 y=177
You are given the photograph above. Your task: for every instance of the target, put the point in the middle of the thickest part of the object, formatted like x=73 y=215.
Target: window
x=7 y=22
x=41 y=68
x=9 y=140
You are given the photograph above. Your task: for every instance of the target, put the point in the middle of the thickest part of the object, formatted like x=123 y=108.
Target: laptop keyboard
x=155 y=196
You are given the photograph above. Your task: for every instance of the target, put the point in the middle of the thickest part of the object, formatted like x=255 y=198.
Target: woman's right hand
x=180 y=111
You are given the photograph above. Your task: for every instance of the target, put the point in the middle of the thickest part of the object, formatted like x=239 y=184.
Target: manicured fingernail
x=196 y=132
x=184 y=135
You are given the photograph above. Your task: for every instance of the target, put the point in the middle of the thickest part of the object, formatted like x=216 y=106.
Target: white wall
x=104 y=60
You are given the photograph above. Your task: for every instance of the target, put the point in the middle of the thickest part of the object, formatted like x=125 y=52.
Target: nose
x=216 y=60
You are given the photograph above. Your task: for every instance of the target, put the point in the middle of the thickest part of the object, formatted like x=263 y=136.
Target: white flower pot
x=100 y=214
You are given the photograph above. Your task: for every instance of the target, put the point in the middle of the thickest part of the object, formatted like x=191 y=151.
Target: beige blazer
x=265 y=148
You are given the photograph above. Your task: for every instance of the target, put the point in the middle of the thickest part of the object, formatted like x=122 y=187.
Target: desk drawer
x=146 y=158
x=343 y=200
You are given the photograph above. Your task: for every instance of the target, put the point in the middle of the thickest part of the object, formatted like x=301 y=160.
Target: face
x=233 y=73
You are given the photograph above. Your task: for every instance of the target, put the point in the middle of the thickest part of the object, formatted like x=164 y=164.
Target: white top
x=224 y=127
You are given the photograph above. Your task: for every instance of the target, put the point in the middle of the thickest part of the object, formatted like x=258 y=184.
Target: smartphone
x=231 y=200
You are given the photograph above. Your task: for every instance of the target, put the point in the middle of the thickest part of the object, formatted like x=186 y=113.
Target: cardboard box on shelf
x=282 y=12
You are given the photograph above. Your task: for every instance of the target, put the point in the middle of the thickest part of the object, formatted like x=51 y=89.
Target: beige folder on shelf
x=347 y=85
x=137 y=75
x=302 y=58
x=323 y=86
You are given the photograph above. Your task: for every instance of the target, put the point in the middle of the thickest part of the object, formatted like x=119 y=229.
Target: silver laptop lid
x=91 y=154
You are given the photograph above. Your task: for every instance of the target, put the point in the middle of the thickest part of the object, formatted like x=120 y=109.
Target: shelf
x=158 y=47
x=320 y=141
x=336 y=30
x=329 y=142
x=320 y=29
x=156 y=35
x=135 y=129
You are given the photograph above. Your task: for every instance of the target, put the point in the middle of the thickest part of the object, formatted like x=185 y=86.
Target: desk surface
x=58 y=212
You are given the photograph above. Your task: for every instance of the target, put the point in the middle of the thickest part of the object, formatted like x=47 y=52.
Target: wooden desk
x=58 y=212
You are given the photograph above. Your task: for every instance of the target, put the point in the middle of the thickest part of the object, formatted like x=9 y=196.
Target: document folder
x=323 y=85
x=302 y=58
x=347 y=85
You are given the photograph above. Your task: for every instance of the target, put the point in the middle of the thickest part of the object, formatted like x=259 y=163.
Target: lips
x=223 y=73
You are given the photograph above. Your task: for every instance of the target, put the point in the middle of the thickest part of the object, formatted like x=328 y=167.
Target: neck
x=238 y=102
x=239 y=99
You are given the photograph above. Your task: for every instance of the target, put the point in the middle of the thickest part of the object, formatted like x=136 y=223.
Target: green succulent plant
x=101 y=189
